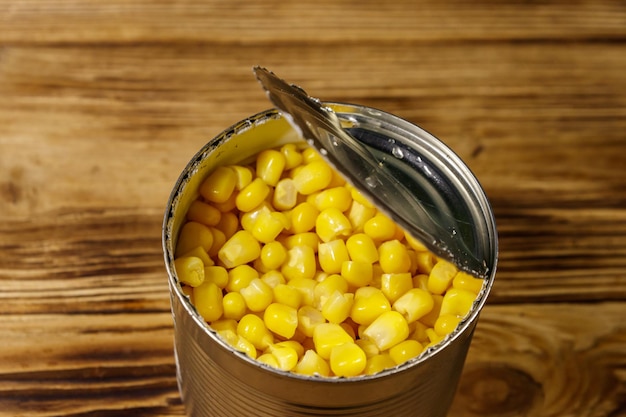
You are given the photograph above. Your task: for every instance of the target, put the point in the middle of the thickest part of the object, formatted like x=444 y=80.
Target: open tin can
x=216 y=380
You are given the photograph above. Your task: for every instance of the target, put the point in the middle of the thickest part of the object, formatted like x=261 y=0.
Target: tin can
x=215 y=380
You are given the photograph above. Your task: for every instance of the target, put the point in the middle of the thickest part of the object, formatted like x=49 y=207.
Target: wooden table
x=103 y=103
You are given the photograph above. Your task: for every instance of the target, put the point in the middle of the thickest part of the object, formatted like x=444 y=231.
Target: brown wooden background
x=102 y=103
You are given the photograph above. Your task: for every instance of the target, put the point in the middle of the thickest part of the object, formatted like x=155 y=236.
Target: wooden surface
x=103 y=103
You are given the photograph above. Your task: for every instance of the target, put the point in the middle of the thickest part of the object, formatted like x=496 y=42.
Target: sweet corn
x=229 y=205
x=252 y=195
x=240 y=249
x=270 y=164
x=234 y=306
x=378 y=363
x=406 y=350
x=281 y=319
x=208 y=301
x=252 y=328
x=309 y=239
x=396 y=285
x=273 y=278
x=368 y=346
x=360 y=198
x=190 y=270
x=311 y=155
x=414 y=304
x=358 y=274
x=273 y=254
x=430 y=318
x=217 y=275
x=457 y=302
x=446 y=323
x=347 y=360
x=243 y=345
x=268 y=226
x=300 y=263
x=337 y=307
x=441 y=276
x=369 y=303
x=258 y=295
x=361 y=248
x=425 y=262
x=229 y=224
x=328 y=335
x=303 y=217
x=219 y=238
x=219 y=185
x=285 y=195
x=293 y=157
x=203 y=213
x=269 y=360
x=393 y=257
x=286 y=357
x=287 y=295
x=199 y=252
x=296 y=346
x=312 y=364
x=337 y=197
x=314 y=176
x=306 y=287
x=240 y=277
x=464 y=281
x=331 y=256
x=328 y=286
x=389 y=329
x=332 y=224
x=359 y=214
x=380 y=227
x=193 y=235
x=309 y=318
x=244 y=176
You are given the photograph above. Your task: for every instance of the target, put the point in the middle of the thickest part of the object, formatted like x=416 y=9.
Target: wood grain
x=103 y=103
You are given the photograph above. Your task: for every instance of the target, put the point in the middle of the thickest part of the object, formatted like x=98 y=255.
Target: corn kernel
x=240 y=277
x=358 y=274
x=464 y=281
x=228 y=336
x=208 y=301
x=378 y=363
x=415 y=243
x=425 y=262
x=244 y=176
x=300 y=263
x=311 y=155
x=457 y=302
x=296 y=346
x=314 y=176
x=332 y=224
x=308 y=319
x=303 y=217
x=433 y=337
x=225 y=324
x=199 y=252
x=268 y=226
x=287 y=295
x=286 y=357
x=219 y=185
x=281 y=319
x=190 y=270
x=258 y=295
x=203 y=213
x=360 y=198
x=285 y=195
x=337 y=307
x=441 y=277
x=312 y=364
x=359 y=214
x=273 y=254
x=337 y=197
x=252 y=195
x=253 y=329
x=328 y=335
x=229 y=224
x=368 y=346
x=406 y=350
x=309 y=239
x=331 y=255
x=430 y=318
x=347 y=360
x=419 y=332
x=269 y=360
x=234 y=306
x=240 y=249
x=306 y=287
x=393 y=257
x=219 y=238
x=229 y=205
x=350 y=327
x=192 y=235
x=369 y=303
x=244 y=345
x=396 y=285
x=421 y=281
x=446 y=323
x=361 y=248
x=327 y=286
x=293 y=157
x=389 y=329
x=217 y=275
x=248 y=219
x=270 y=164
x=273 y=278
x=414 y=304
x=380 y=227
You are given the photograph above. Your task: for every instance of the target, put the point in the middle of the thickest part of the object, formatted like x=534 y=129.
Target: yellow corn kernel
x=208 y=301
x=306 y=287
x=303 y=217
x=248 y=219
x=331 y=255
x=189 y=270
x=286 y=357
x=312 y=364
x=347 y=360
x=268 y=226
x=309 y=239
x=244 y=176
x=192 y=235
x=369 y=304
x=240 y=277
x=337 y=181
x=337 y=307
x=203 y=213
x=252 y=328
x=228 y=336
x=287 y=295
x=252 y=195
x=229 y=224
x=446 y=323
x=414 y=304
x=225 y=324
x=362 y=248
x=433 y=338
x=421 y=281
x=358 y=274
x=219 y=238
x=337 y=197
x=199 y=252
x=430 y=318
x=270 y=164
x=360 y=198
x=380 y=227
x=441 y=277
x=406 y=350
x=464 y=281
x=312 y=177
x=309 y=318
x=300 y=263
x=292 y=155
x=368 y=346
x=327 y=286
x=396 y=285
x=217 y=275
x=296 y=346
x=415 y=243
x=219 y=185
x=393 y=257
x=281 y=319
x=425 y=262
x=350 y=327
x=389 y=329
x=244 y=345
x=378 y=363
x=332 y=224
x=457 y=302
x=258 y=295
x=328 y=335
x=413 y=258
x=269 y=360
x=228 y=205
x=273 y=254
x=234 y=306
x=285 y=195
x=311 y=155
x=359 y=214
x=419 y=332
x=273 y=278
x=240 y=249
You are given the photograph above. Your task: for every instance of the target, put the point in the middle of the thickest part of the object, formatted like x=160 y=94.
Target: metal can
x=215 y=380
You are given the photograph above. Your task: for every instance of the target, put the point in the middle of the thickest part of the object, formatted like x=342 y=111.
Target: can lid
x=418 y=183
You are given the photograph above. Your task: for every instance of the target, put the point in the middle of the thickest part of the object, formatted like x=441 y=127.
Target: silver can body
x=215 y=380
